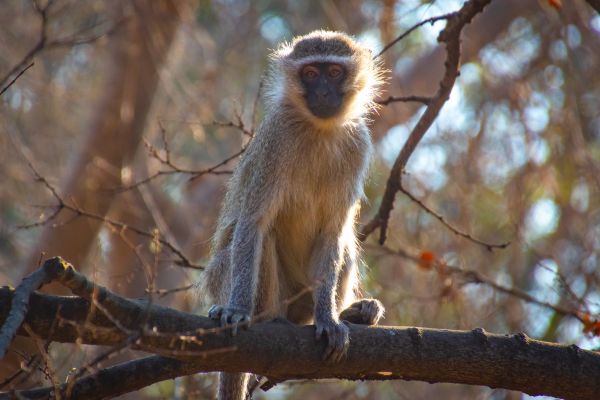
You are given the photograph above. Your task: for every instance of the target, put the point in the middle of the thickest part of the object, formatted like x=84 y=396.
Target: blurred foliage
x=514 y=156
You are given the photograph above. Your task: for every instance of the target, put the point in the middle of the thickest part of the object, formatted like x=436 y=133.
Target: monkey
x=287 y=226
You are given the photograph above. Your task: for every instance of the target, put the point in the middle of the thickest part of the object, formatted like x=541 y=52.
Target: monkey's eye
x=309 y=72
x=335 y=72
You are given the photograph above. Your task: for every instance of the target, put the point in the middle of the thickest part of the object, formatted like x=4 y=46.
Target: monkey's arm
x=326 y=267
x=245 y=262
x=260 y=201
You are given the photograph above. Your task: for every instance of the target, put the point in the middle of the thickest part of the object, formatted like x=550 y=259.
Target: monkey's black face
x=323 y=88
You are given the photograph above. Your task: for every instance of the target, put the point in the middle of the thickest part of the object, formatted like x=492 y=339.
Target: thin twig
x=394 y=99
x=473 y=276
x=44 y=43
x=431 y=20
x=488 y=246
x=193 y=173
x=63 y=205
x=165 y=292
x=16 y=77
x=50 y=370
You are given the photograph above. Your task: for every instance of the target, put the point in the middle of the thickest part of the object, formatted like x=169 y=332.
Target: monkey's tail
x=233 y=386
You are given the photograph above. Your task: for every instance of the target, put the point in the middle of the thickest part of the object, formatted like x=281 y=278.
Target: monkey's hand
x=338 y=338
x=231 y=317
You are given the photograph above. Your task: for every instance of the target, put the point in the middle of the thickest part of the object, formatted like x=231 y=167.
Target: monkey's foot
x=230 y=317
x=338 y=339
x=363 y=312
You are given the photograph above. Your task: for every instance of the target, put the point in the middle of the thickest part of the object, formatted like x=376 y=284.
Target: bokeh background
x=513 y=157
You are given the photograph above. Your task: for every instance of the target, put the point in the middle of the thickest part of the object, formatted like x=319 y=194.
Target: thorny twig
x=175 y=169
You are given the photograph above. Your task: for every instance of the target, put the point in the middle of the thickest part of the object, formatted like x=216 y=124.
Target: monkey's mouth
x=324 y=107
x=326 y=111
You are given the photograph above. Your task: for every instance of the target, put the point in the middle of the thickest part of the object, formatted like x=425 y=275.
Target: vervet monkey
x=287 y=225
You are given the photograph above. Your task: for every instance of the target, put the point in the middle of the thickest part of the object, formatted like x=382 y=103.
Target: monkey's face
x=323 y=84
x=325 y=78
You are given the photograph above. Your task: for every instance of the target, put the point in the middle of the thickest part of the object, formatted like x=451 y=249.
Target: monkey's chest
x=316 y=202
x=300 y=224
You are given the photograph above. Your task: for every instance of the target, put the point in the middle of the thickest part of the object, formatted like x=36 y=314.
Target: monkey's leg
x=363 y=312
x=268 y=304
x=232 y=386
x=212 y=283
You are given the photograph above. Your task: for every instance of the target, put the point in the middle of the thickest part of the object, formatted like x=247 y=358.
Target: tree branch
x=282 y=351
x=43 y=42
x=450 y=36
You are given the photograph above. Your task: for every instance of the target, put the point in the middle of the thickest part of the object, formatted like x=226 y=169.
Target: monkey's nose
x=322 y=94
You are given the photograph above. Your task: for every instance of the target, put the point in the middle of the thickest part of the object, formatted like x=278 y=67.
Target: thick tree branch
x=116 y=380
x=282 y=351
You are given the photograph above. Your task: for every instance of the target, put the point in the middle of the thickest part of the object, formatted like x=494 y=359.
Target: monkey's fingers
x=230 y=317
x=215 y=312
x=239 y=319
x=224 y=319
x=319 y=329
x=338 y=340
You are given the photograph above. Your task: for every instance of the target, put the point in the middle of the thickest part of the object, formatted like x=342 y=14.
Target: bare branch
x=16 y=77
x=43 y=43
x=79 y=212
x=488 y=246
x=431 y=20
x=166 y=292
x=471 y=276
x=283 y=351
x=19 y=307
x=193 y=173
x=450 y=36
x=394 y=99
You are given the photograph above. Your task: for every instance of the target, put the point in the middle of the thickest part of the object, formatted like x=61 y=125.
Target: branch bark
x=283 y=351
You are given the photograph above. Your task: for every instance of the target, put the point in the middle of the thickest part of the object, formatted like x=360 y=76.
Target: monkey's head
x=326 y=77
